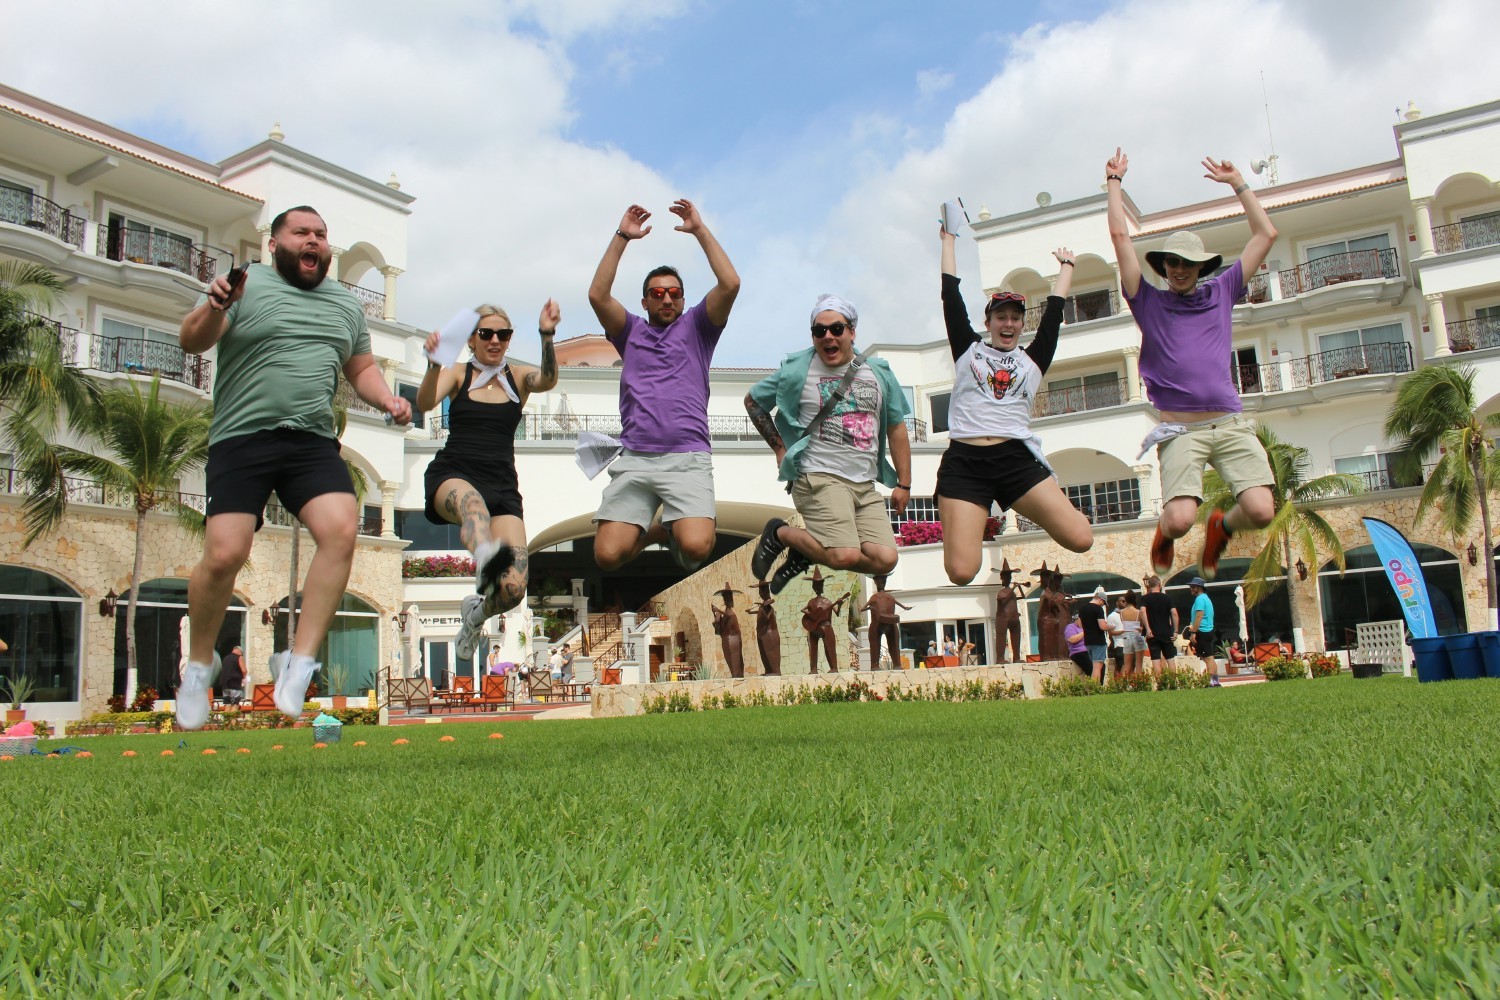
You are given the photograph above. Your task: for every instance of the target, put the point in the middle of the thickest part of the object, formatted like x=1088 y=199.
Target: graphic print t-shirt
x=846 y=442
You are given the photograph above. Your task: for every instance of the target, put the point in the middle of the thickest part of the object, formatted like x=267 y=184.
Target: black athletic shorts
x=1161 y=648
x=1203 y=642
x=1083 y=663
x=298 y=465
x=982 y=473
x=495 y=481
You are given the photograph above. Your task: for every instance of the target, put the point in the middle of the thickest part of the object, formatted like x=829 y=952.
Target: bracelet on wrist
x=622 y=236
x=1067 y=262
x=904 y=486
x=1242 y=188
x=1115 y=177
x=546 y=333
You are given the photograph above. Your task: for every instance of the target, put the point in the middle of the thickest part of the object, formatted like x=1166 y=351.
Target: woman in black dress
x=472 y=482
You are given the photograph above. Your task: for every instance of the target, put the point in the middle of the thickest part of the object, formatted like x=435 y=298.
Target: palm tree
x=144 y=446
x=1295 y=528
x=1434 y=411
x=40 y=386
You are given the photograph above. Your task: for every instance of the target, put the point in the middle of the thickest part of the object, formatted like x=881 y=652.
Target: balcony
x=1349 y=362
x=159 y=250
x=373 y=303
x=67 y=337
x=1335 y=269
x=138 y=356
x=1471 y=334
x=1468 y=235
x=345 y=396
x=1103 y=513
x=1080 y=308
x=567 y=426
x=1055 y=402
x=42 y=214
x=1250 y=379
x=1386 y=479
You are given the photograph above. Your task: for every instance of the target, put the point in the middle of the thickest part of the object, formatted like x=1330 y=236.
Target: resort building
x=1378 y=270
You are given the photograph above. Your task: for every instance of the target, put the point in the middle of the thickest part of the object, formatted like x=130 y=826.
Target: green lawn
x=1309 y=838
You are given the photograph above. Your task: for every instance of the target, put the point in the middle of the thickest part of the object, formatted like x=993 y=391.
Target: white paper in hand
x=453 y=336
x=594 y=452
x=954 y=216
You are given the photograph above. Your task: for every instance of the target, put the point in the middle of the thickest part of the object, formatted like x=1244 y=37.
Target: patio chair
x=263 y=698
x=539 y=684
x=494 y=692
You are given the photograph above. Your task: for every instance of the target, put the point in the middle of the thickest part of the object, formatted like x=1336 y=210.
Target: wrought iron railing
x=1483 y=231
x=1257 y=289
x=1256 y=378
x=1468 y=334
x=567 y=426
x=67 y=337
x=1079 y=308
x=373 y=303
x=42 y=214
x=345 y=396
x=160 y=250
x=1079 y=398
x=1103 y=513
x=1354 y=265
x=139 y=356
x=283 y=518
x=1347 y=362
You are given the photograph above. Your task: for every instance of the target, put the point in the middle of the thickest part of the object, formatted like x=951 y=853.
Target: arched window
x=41 y=621
x=161 y=630
x=349 y=653
x=1268 y=621
x=1364 y=593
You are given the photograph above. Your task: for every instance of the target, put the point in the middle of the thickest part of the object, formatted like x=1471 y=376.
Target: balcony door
x=145 y=243
x=1371 y=350
x=1350 y=260
x=15 y=202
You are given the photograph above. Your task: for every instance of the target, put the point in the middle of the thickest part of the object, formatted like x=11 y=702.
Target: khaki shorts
x=1228 y=444
x=841 y=514
x=680 y=483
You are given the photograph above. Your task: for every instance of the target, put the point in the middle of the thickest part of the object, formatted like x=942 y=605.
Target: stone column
x=388 y=508
x=390 y=274
x=333 y=266
x=265 y=243
x=1133 y=373
x=1437 y=326
x=1423 y=207
x=1145 y=475
x=388 y=368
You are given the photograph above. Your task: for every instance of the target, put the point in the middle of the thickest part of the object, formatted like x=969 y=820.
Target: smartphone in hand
x=236 y=278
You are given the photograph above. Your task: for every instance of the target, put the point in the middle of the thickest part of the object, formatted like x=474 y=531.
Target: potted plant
x=338 y=680
x=17 y=690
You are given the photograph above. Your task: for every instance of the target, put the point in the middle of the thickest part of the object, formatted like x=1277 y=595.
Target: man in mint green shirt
x=284 y=335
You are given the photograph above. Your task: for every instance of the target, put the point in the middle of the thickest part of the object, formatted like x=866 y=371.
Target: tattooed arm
x=761 y=396
x=546 y=377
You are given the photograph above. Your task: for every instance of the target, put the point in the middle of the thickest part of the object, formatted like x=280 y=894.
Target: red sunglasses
x=1005 y=299
x=664 y=292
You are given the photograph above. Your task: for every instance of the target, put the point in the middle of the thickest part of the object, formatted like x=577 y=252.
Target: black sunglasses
x=483 y=334
x=837 y=329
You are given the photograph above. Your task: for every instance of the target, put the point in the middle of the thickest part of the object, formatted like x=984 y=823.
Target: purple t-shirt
x=1186 y=343
x=664 y=382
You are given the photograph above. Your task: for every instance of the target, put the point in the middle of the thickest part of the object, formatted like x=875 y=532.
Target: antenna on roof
x=1267 y=165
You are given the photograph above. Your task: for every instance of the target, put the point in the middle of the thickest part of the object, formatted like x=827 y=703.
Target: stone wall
x=93 y=551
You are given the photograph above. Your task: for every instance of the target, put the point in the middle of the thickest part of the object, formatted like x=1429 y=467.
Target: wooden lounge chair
x=263 y=698
x=412 y=692
x=539 y=685
x=494 y=693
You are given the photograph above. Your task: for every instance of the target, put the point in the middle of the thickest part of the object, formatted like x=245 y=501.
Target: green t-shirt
x=280 y=359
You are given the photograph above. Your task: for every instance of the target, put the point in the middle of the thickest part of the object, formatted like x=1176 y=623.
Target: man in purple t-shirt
x=1185 y=363
x=667 y=464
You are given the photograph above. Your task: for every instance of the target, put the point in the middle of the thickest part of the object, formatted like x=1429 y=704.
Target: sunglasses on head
x=1006 y=299
x=820 y=330
x=483 y=334
x=662 y=292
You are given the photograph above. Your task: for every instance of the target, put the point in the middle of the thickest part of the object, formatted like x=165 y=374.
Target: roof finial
x=276 y=135
x=392 y=182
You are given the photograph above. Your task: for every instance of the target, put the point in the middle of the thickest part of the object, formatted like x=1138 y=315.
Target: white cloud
x=931 y=82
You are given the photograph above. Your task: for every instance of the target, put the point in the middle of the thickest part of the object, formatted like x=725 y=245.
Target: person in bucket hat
x=1202 y=627
x=1186 y=348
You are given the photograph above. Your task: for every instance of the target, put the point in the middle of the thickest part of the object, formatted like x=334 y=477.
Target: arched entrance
x=1268 y=621
x=1364 y=593
x=160 y=629
x=41 y=621
x=351 y=650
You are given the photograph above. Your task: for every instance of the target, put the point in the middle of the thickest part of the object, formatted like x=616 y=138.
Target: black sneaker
x=767 y=550
x=796 y=564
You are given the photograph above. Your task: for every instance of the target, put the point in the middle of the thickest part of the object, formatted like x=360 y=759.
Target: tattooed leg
x=474 y=518
x=512 y=587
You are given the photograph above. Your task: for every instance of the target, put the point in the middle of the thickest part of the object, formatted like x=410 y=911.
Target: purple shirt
x=664 y=382
x=1186 y=343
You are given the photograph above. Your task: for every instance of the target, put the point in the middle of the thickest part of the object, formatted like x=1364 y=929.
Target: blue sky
x=817 y=137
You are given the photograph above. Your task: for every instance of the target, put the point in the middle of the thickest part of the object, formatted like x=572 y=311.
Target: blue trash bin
x=1489 y=651
x=1432 y=659
x=1464 y=658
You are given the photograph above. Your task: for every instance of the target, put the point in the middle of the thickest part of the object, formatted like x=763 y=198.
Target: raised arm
x=1044 y=345
x=369 y=384
x=961 y=335
x=1262 y=231
x=544 y=378
x=437 y=382
x=607 y=308
x=1119 y=232
x=720 y=298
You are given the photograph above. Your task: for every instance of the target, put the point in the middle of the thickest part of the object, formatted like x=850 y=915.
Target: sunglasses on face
x=662 y=292
x=819 y=330
x=484 y=334
x=1170 y=261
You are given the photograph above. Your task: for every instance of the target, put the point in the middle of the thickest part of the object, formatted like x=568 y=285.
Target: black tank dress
x=480 y=450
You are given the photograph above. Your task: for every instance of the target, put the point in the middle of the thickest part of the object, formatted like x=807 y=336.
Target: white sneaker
x=192 y=694
x=293 y=675
x=471 y=620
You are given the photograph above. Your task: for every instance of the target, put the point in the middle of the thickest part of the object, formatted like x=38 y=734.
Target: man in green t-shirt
x=284 y=334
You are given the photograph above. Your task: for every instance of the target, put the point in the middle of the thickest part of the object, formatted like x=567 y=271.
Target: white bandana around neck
x=485 y=373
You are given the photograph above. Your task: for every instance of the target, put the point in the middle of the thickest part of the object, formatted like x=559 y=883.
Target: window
x=1088 y=392
x=41 y=619
x=1351 y=260
x=1479 y=230
x=1377 y=349
x=918 y=509
x=145 y=243
x=1245 y=367
x=1378 y=471
x=1114 y=500
x=937 y=404
x=15 y=202
x=409 y=393
x=425 y=536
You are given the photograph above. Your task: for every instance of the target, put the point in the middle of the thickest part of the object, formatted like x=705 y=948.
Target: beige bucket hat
x=1187 y=246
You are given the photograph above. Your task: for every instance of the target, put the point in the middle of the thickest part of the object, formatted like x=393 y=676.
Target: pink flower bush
x=931 y=532
x=424 y=567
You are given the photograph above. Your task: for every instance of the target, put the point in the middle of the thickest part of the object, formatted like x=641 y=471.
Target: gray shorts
x=680 y=483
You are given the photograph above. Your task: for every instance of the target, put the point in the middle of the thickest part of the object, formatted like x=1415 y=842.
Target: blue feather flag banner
x=1405 y=574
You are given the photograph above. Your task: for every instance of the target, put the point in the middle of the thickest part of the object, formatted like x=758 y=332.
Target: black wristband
x=1067 y=262
x=546 y=333
x=1114 y=177
x=903 y=486
x=622 y=236
x=1242 y=189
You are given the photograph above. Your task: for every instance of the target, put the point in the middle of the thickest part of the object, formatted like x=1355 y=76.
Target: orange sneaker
x=1215 y=541
x=1161 y=554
